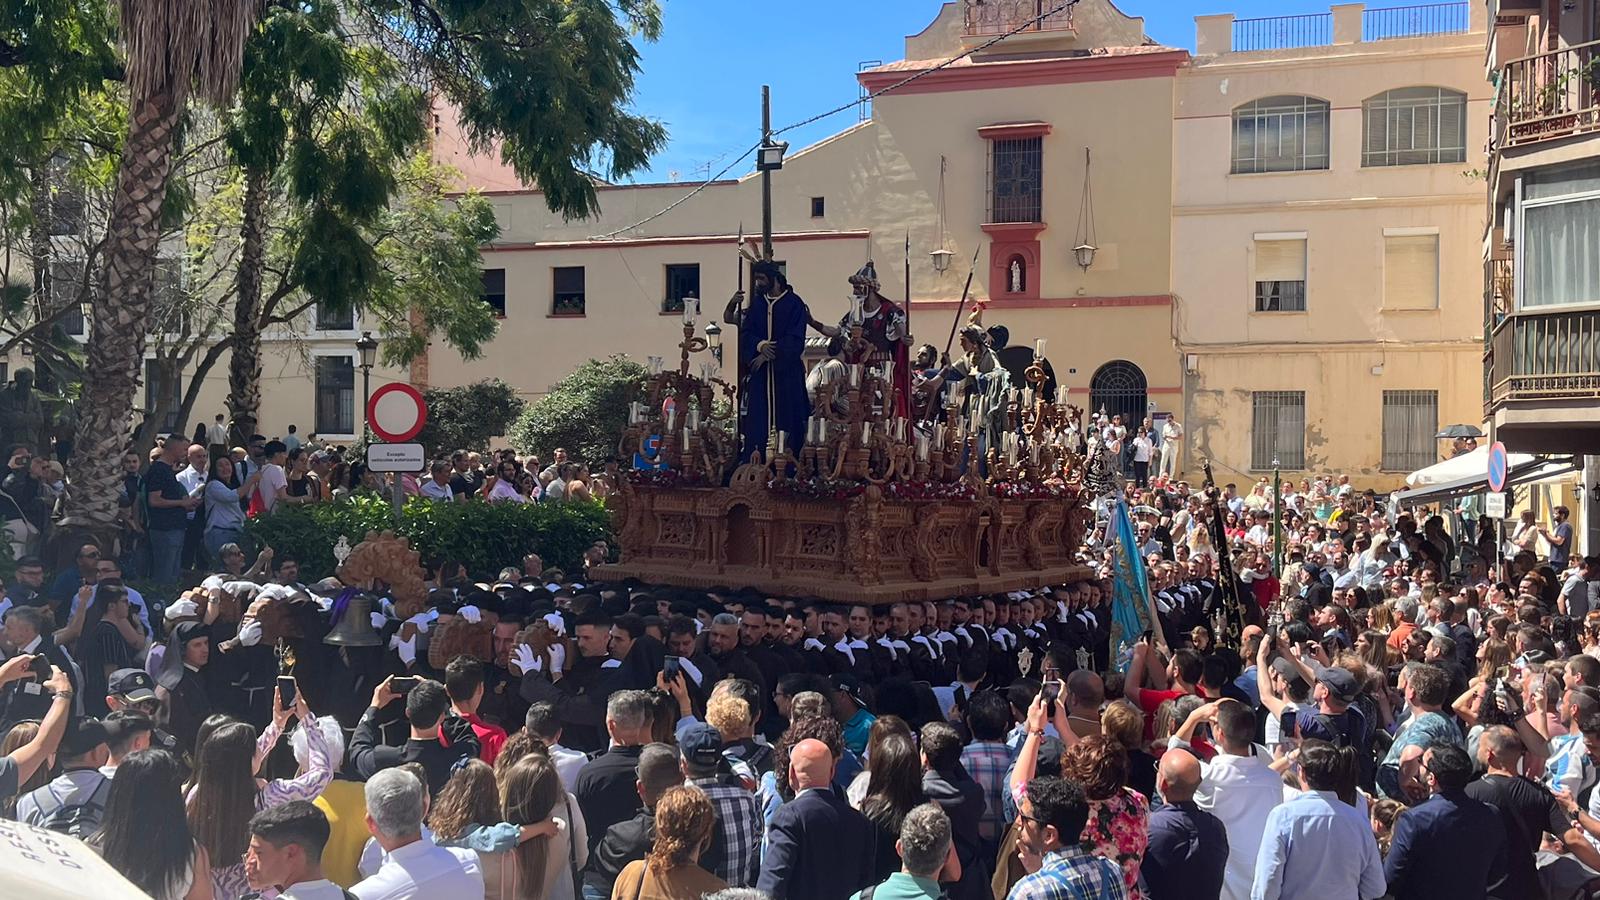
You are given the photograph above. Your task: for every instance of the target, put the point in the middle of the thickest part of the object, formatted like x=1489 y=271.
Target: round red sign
x=396 y=412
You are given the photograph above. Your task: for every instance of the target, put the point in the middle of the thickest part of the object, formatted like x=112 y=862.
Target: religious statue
x=23 y=419
x=883 y=327
x=1016 y=276
x=985 y=382
x=772 y=340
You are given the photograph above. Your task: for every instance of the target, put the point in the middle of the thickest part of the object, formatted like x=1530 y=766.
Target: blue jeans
x=216 y=537
x=166 y=550
x=590 y=892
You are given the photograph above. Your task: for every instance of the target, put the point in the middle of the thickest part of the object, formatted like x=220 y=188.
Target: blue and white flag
x=1130 y=598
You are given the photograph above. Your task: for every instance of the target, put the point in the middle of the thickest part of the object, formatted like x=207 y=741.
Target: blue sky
x=703 y=78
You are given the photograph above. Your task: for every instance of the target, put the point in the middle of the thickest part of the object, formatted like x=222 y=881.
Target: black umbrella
x=1460 y=431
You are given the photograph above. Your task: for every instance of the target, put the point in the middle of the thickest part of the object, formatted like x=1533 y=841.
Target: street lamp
x=769 y=158
x=714 y=340
x=941 y=259
x=368 y=348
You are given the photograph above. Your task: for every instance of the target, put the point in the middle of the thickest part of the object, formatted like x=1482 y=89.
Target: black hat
x=701 y=744
x=189 y=631
x=134 y=685
x=849 y=684
x=1341 y=685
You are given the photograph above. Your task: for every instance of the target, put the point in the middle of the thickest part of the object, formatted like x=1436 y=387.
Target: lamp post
x=714 y=340
x=368 y=348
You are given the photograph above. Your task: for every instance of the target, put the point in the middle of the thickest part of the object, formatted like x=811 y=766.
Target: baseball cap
x=135 y=685
x=851 y=685
x=1288 y=670
x=700 y=744
x=89 y=734
x=1341 y=684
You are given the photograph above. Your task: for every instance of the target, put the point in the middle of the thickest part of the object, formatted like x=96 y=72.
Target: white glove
x=556 y=623
x=811 y=644
x=423 y=621
x=472 y=614
x=691 y=670
x=558 y=659
x=523 y=660
x=408 y=650
x=379 y=620
x=250 y=633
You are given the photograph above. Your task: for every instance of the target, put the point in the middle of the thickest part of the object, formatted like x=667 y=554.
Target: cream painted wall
x=1344 y=403
x=1330 y=350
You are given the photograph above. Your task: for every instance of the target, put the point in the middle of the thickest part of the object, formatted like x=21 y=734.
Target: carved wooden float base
x=856 y=545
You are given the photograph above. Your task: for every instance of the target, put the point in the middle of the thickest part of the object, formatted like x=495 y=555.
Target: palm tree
x=173 y=47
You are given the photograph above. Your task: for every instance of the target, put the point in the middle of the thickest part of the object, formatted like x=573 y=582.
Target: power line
x=1023 y=26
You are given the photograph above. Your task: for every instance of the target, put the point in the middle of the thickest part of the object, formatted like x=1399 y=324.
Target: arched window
x=1413 y=126
x=1119 y=388
x=1280 y=134
x=1017 y=275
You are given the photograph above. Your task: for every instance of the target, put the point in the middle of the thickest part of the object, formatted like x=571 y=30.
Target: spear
x=963 y=304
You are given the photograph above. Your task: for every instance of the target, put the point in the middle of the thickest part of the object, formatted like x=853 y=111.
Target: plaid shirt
x=987 y=762
x=735 y=851
x=1072 y=873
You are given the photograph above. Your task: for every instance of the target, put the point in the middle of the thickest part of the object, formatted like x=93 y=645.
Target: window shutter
x=1411 y=271
x=1244 y=142
x=1283 y=260
x=1316 y=135
x=1452 y=126
x=1377 y=127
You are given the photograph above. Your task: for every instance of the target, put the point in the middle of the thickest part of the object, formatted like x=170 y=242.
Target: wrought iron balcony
x=987 y=18
x=1548 y=96
x=1551 y=355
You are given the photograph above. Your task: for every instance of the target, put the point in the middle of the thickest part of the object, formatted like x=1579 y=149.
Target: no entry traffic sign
x=1497 y=467
x=396 y=412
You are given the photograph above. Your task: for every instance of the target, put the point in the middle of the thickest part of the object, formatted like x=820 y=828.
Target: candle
x=888 y=371
x=1011 y=396
x=691 y=309
x=1038 y=348
x=686 y=438
x=1028 y=395
x=922 y=448
x=855 y=375
x=1061 y=395
x=633 y=413
x=783 y=442
x=1033 y=452
x=672 y=418
x=694 y=420
x=866 y=433
x=655 y=365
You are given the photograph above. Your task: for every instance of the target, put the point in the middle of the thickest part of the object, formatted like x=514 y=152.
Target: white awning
x=1467 y=465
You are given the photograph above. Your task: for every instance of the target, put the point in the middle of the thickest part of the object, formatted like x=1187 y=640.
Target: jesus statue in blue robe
x=772 y=340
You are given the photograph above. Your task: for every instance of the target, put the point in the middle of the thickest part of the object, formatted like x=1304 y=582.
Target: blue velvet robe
x=785 y=375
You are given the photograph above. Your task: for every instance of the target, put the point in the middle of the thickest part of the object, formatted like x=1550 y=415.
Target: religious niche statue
x=23 y=419
x=1016 y=276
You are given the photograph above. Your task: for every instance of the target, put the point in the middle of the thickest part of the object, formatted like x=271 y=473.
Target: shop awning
x=1529 y=470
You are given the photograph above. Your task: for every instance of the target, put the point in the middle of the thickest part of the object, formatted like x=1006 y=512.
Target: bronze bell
x=354 y=629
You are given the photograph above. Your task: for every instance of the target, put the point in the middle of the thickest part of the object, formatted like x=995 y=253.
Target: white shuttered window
x=1411 y=271
x=1280 y=274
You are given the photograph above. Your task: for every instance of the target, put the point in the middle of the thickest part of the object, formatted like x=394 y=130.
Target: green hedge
x=485 y=537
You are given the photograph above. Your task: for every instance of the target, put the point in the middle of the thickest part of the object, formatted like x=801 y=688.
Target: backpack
x=80 y=820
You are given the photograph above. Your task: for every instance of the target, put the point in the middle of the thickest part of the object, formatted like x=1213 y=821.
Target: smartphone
x=1286 y=724
x=41 y=668
x=1052 y=690
x=402 y=684
x=286 y=691
x=1149 y=635
x=672 y=668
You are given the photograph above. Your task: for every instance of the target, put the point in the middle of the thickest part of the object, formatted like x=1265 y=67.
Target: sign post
x=1494 y=505
x=395 y=413
x=1499 y=468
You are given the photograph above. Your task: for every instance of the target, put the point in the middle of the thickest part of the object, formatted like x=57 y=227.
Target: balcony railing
x=986 y=18
x=1498 y=290
x=1282 y=32
x=1414 y=21
x=1548 y=96
x=1546 y=356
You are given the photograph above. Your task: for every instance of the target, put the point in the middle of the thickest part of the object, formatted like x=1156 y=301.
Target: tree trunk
x=39 y=238
x=244 y=365
x=122 y=311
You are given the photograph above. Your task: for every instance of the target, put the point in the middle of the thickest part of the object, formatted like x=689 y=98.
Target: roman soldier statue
x=883 y=327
